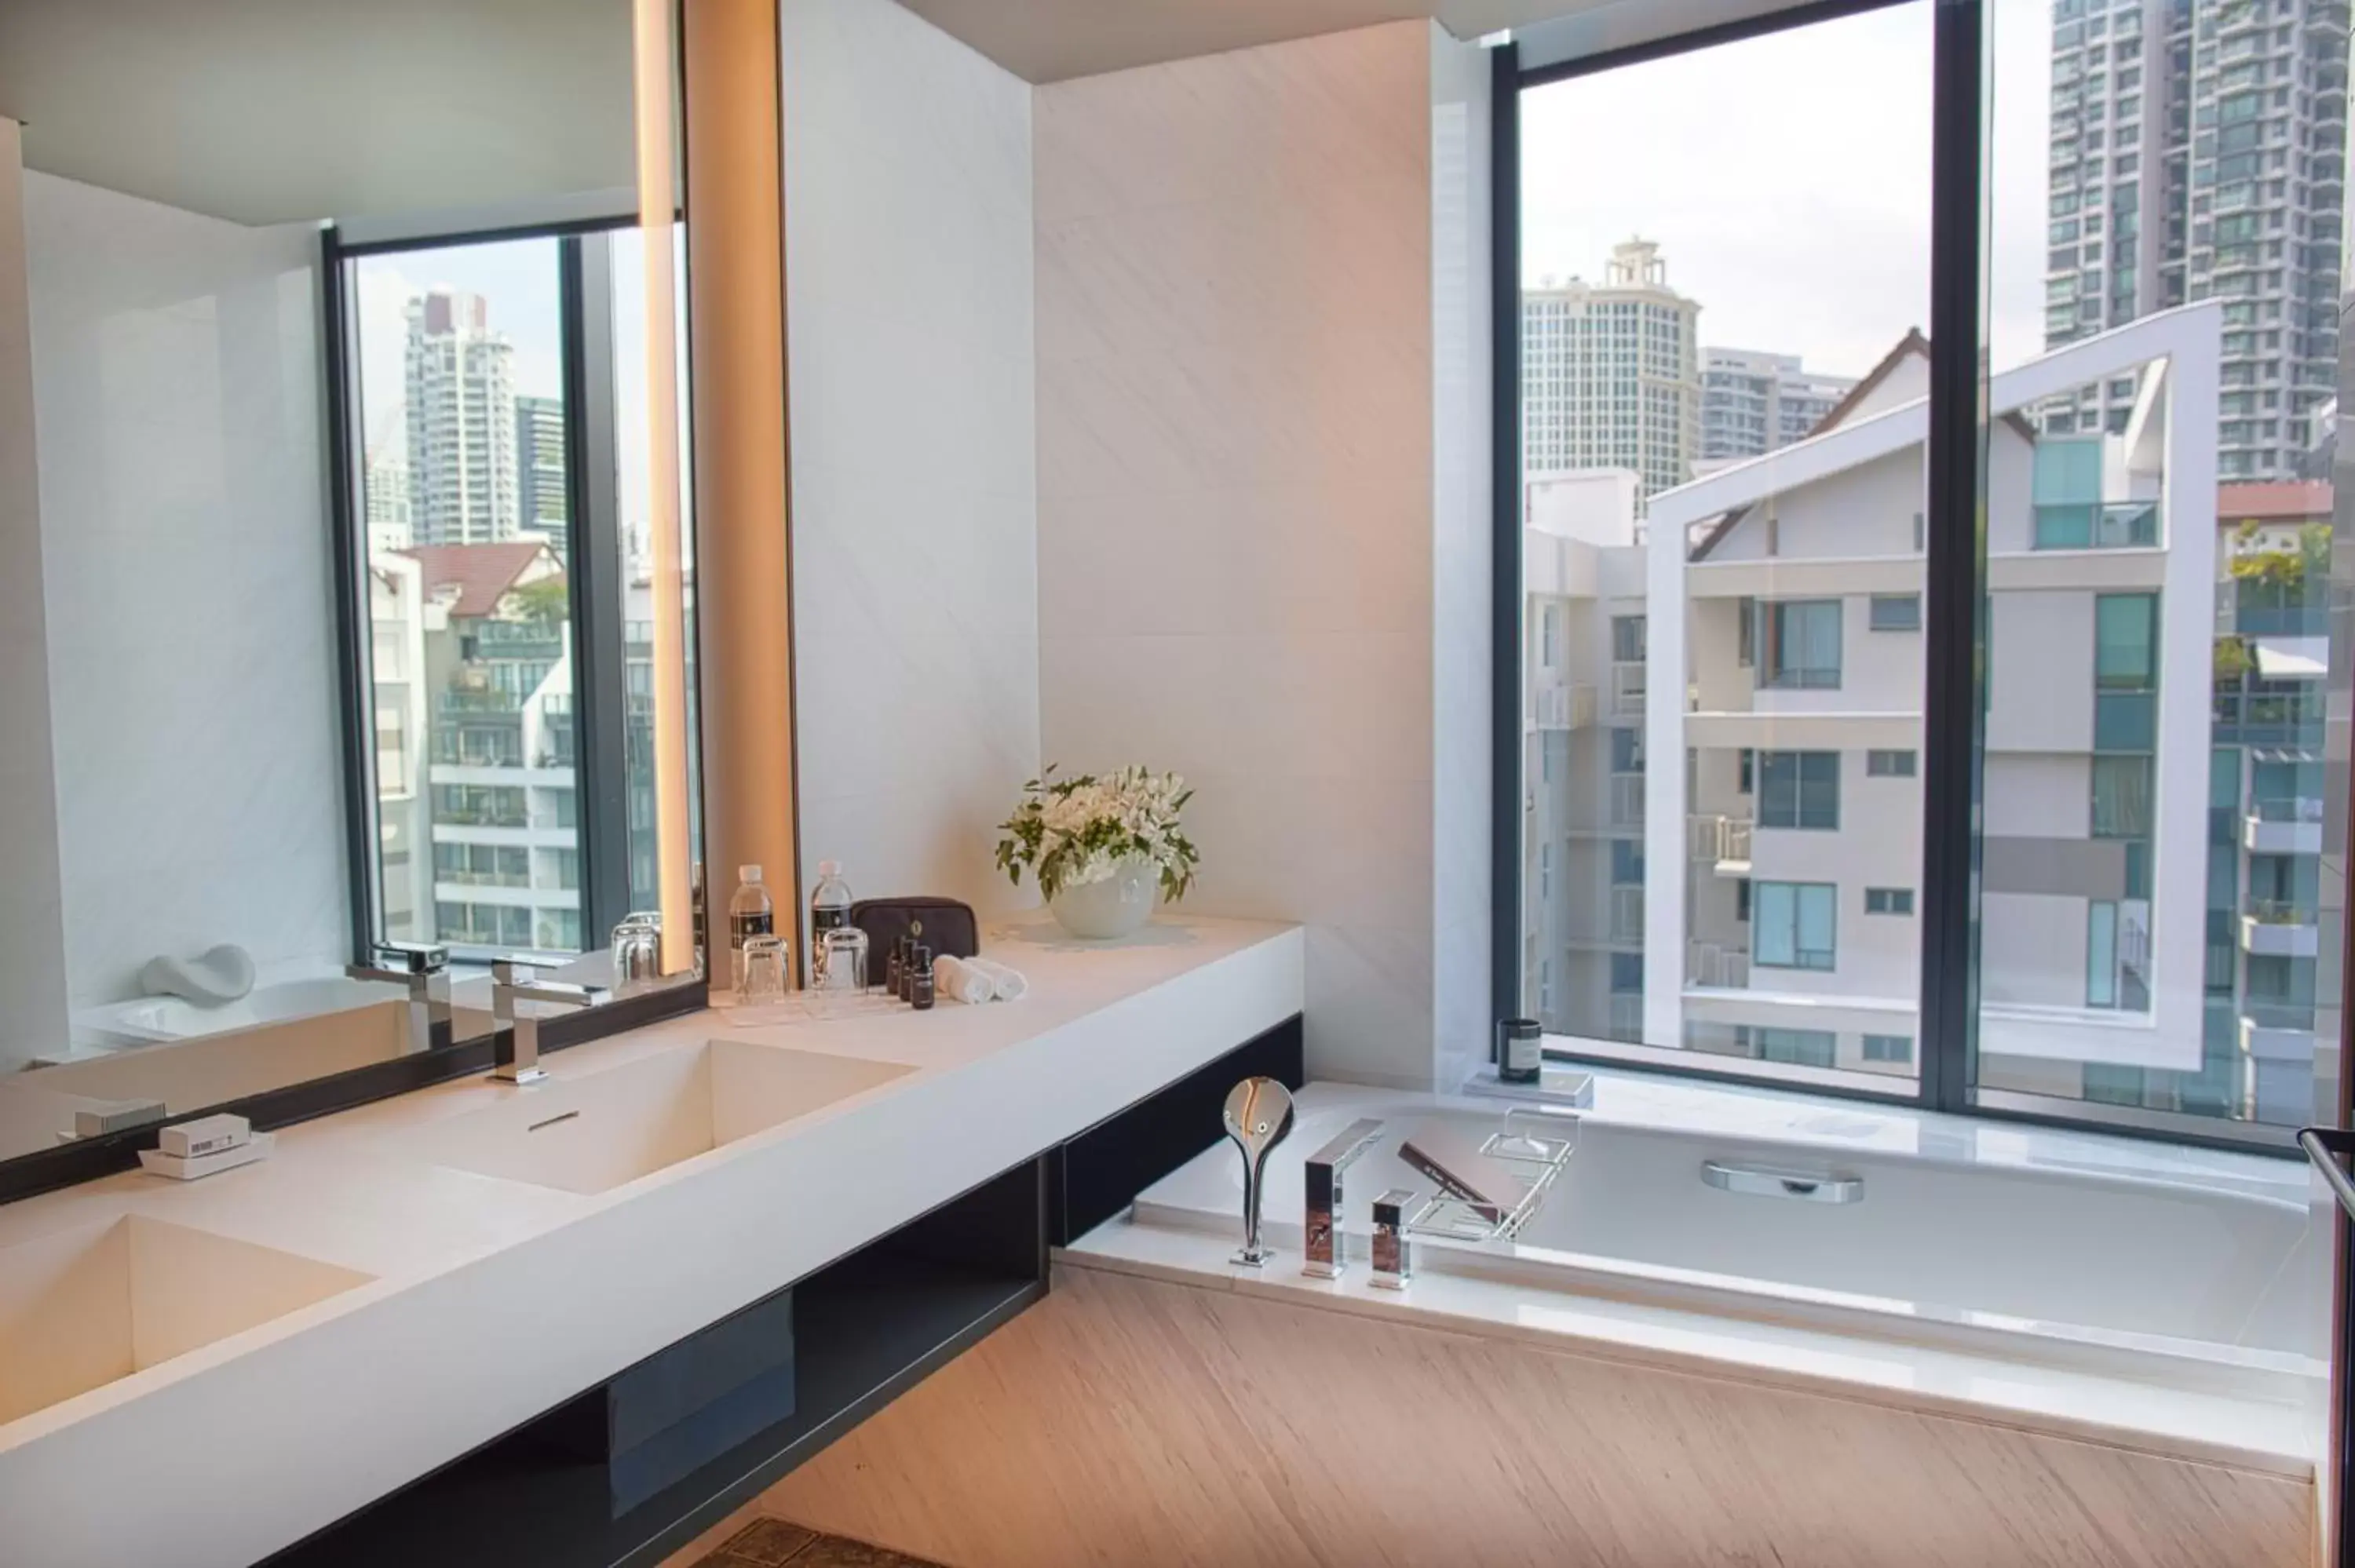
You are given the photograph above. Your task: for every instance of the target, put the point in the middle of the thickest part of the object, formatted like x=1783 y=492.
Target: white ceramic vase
x=1116 y=906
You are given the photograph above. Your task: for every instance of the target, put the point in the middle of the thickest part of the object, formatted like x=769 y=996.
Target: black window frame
x=594 y=568
x=1956 y=644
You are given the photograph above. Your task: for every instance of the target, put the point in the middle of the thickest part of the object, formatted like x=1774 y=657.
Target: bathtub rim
x=2155 y=1361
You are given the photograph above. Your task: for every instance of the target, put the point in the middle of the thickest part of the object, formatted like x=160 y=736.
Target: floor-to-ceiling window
x=494 y=437
x=1947 y=398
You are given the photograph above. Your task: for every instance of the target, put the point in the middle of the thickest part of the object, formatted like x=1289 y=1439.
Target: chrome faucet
x=413 y=965
x=1326 y=1254
x=515 y=1048
x=1393 y=1253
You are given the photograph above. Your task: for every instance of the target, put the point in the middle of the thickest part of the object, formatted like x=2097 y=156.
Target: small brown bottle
x=919 y=979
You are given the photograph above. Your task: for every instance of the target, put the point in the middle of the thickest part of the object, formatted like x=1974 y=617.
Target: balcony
x=488 y=700
x=2272 y=930
x=1617 y=922
x=2291 y=825
x=2276 y=1030
x=1627 y=800
x=1722 y=843
x=1717 y=966
x=1627 y=686
x=1566 y=707
x=2291 y=719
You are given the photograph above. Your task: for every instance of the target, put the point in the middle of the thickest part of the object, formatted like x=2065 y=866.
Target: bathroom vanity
x=385 y=1342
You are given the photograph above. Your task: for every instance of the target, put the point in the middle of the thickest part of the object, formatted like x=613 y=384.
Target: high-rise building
x=1752 y=403
x=460 y=414
x=2196 y=151
x=1611 y=373
x=539 y=467
x=389 y=523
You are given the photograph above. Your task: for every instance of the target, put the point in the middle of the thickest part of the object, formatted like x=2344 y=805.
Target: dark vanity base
x=850 y=1339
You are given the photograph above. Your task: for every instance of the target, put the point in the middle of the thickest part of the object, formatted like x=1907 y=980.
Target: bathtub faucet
x=413 y=965
x=1326 y=1254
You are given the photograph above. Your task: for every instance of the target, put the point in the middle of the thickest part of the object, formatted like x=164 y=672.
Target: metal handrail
x=2322 y=1144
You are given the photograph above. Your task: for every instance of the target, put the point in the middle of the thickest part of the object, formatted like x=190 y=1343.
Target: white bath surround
x=2028 y=1278
x=428 y=1273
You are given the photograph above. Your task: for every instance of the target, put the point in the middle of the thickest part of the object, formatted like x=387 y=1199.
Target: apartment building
x=476 y=797
x=2196 y=151
x=2151 y=804
x=1752 y=403
x=1611 y=373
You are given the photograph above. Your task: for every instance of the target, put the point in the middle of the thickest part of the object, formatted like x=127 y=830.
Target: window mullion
x=594 y=568
x=1957 y=561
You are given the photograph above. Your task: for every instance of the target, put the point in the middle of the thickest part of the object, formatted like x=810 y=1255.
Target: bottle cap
x=829 y=868
x=923 y=957
x=748 y=873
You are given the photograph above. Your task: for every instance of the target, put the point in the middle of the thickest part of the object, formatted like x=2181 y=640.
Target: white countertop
x=491 y=1300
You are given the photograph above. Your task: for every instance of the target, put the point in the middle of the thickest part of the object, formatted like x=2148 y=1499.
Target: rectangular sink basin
x=593 y=1133
x=86 y=1307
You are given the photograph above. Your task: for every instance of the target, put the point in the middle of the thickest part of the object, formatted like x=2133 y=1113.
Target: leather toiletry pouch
x=948 y=926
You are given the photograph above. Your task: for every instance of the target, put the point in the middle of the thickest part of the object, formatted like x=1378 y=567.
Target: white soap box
x=189 y=1167
x=204 y=1135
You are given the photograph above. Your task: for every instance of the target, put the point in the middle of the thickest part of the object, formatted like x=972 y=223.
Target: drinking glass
x=842 y=960
x=764 y=971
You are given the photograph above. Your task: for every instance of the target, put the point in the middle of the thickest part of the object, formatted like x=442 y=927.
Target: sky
x=1786 y=179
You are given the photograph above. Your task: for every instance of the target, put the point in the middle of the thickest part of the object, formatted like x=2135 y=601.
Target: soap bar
x=205 y=1135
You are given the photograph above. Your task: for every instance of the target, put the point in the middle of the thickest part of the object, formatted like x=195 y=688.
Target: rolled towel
x=1007 y=984
x=962 y=980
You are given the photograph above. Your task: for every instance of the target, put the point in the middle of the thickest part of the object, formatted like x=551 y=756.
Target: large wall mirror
x=348 y=611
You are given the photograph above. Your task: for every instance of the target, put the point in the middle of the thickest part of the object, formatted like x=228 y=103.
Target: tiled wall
x=1237 y=479
x=914 y=491
x=190 y=647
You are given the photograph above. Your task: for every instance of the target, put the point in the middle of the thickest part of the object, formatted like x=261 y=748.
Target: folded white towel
x=961 y=980
x=1007 y=984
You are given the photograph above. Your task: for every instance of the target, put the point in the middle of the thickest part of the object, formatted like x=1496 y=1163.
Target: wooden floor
x=1135 y=1423
x=774 y=1543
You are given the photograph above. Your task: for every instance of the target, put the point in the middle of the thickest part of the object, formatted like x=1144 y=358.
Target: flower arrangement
x=1074 y=831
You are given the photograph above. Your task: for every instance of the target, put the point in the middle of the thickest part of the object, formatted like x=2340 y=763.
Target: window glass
x=1802 y=1047
x=464 y=430
x=1793 y=923
x=1799 y=644
x=1662 y=345
x=1798 y=790
x=1896 y=612
x=2129 y=951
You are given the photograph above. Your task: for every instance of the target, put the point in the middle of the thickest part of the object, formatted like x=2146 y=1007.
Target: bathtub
x=146 y=1020
x=2034 y=1267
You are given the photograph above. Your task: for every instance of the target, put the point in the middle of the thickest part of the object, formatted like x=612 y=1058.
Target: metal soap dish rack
x=1460 y=1214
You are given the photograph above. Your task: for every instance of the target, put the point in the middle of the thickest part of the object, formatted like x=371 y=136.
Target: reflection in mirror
x=350 y=598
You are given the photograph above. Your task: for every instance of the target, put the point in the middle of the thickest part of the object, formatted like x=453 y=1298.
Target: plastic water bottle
x=750 y=913
x=830 y=904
